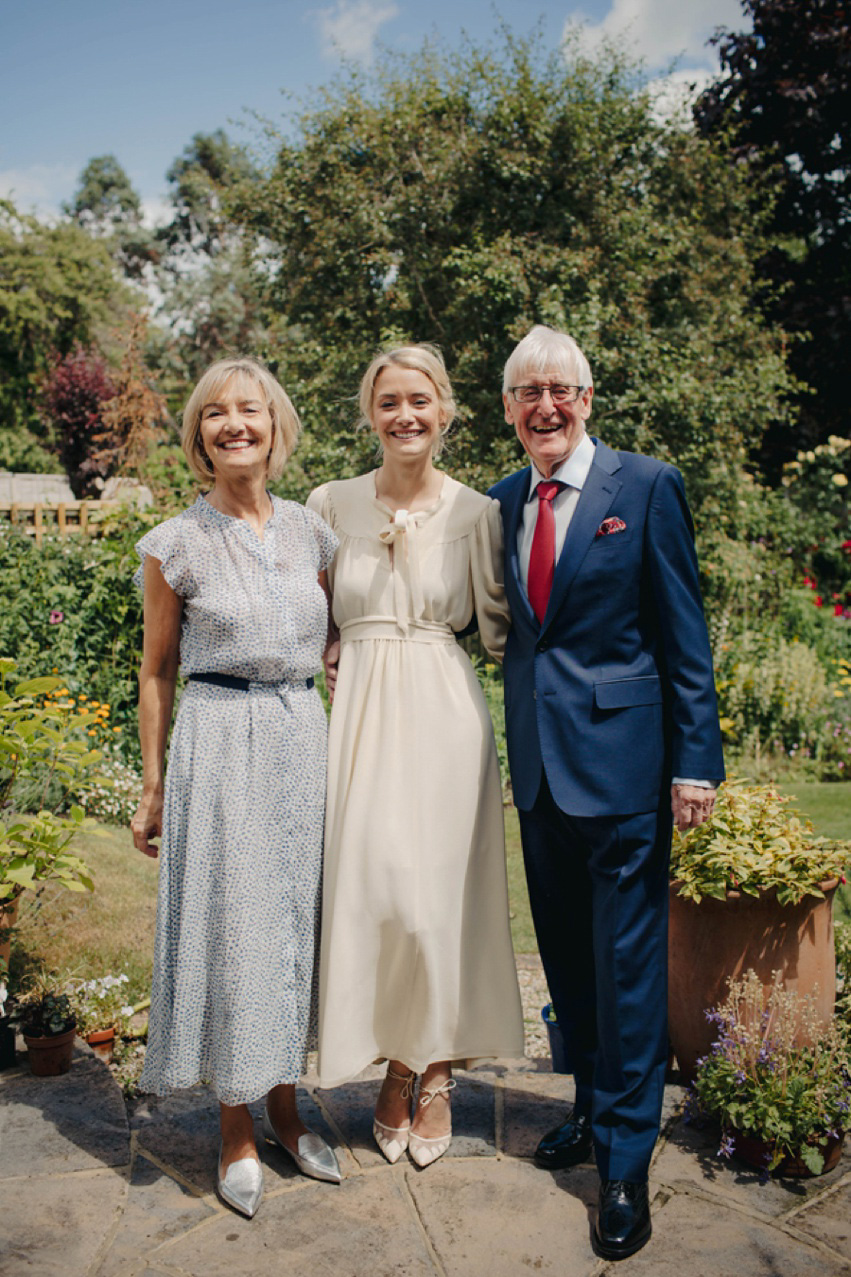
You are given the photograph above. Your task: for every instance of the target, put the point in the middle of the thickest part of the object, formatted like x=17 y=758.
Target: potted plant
x=752 y=887
x=100 y=1006
x=782 y=1107
x=49 y=1028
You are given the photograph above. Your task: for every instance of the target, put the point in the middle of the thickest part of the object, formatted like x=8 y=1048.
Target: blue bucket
x=558 y=1050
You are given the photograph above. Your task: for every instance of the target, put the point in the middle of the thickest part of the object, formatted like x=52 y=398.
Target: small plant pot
x=558 y=1050
x=102 y=1042
x=756 y=1152
x=8 y=1056
x=49 y=1057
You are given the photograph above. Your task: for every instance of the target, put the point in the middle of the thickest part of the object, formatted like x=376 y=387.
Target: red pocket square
x=608 y=526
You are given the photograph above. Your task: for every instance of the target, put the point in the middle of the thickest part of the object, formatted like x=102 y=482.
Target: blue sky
x=137 y=78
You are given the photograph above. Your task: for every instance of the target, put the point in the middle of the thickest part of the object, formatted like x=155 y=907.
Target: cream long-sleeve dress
x=416 y=958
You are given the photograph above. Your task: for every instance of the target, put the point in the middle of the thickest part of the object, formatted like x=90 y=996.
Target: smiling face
x=236 y=427
x=406 y=413
x=548 y=432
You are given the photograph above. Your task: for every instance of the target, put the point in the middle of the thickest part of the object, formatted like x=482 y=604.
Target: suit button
x=535 y=695
x=542 y=647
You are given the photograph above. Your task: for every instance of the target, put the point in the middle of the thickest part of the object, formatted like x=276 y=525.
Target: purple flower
x=56 y=617
x=727 y=1146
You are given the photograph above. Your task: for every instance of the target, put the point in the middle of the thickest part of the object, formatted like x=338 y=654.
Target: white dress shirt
x=573 y=472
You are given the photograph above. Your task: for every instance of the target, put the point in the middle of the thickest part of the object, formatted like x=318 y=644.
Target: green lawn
x=828 y=806
x=112 y=930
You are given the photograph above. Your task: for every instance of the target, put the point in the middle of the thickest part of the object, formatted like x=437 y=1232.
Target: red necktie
x=543 y=556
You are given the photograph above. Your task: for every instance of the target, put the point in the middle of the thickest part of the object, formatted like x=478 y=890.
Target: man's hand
x=330 y=661
x=691 y=805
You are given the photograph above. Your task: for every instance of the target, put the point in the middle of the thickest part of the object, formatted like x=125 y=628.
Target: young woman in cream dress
x=416 y=960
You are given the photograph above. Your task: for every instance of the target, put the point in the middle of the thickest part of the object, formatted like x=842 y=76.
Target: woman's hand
x=330 y=661
x=147 y=823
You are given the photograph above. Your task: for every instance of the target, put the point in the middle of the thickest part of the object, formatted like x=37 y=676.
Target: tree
x=199 y=180
x=459 y=199
x=781 y=105
x=209 y=277
x=78 y=387
x=107 y=206
x=57 y=289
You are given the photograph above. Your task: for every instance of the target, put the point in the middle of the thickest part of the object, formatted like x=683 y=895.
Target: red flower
x=838 y=609
x=56 y=617
x=846 y=546
x=818 y=600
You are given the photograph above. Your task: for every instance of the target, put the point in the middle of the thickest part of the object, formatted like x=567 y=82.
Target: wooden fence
x=68 y=518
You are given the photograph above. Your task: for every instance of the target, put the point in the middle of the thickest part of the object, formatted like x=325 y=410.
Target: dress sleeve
x=167 y=542
x=486 y=565
x=326 y=539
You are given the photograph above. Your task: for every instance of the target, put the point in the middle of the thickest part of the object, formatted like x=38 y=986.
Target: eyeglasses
x=558 y=394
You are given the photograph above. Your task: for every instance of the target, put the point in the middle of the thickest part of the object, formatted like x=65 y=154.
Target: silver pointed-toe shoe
x=242 y=1184
x=313 y=1157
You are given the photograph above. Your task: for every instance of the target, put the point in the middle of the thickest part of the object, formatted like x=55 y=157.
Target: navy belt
x=239 y=684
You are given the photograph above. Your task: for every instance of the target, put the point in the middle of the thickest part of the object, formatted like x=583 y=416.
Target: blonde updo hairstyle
x=286 y=426
x=423 y=358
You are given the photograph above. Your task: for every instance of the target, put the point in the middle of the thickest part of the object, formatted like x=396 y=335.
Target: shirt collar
x=573 y=472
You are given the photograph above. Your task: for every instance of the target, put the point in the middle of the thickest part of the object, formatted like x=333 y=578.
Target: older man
x=612 y=732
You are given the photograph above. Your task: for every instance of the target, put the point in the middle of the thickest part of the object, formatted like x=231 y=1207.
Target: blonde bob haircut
x=423 y=358
x=547 y=350
x=286 y=426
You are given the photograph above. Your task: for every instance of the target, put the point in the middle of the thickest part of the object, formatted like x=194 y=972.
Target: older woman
x=417 y=966
x=234 y=592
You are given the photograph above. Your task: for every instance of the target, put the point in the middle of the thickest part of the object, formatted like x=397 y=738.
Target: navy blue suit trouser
x=598 y=887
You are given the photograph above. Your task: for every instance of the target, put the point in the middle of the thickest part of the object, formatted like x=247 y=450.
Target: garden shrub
x=70 y=606
x=775 y=697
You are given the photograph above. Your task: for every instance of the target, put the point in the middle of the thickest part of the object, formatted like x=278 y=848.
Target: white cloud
x=661 y=30
x=39 y=189
x=350 y=27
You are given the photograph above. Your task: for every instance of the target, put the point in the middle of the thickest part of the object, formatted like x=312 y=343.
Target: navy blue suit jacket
x=613 y=695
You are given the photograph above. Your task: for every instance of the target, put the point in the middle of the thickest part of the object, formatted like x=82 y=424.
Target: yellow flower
x=91 y=732
x=116 y=729
x=841 y=480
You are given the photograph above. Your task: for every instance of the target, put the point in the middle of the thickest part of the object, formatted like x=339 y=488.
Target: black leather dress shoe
x=568 y=1145
x=623 y=1220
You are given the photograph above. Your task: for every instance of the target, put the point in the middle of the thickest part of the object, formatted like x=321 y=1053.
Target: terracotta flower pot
x=102 y=1042
x=51 y=1056
x=755 y=1152
x=716 y=939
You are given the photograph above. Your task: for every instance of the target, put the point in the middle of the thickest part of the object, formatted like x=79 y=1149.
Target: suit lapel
x=595 y=500
x=513 y=504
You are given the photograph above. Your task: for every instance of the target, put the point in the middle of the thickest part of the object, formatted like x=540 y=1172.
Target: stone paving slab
x=76 y=1122
x=504 y=1217
x=156 y=1209
x=86 y=1193
x=362 y=1228
x=699 y=1238
x=55 y=1226
x=828 y=1219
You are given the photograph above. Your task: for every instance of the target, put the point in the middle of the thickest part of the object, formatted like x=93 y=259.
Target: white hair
x=546 y=350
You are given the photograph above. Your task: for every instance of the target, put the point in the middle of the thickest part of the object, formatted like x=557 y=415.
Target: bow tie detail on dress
x=402 y=531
